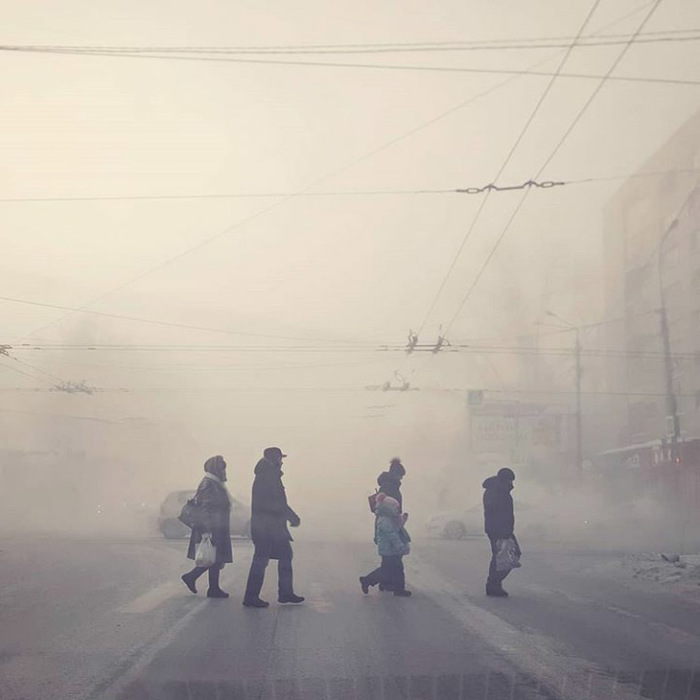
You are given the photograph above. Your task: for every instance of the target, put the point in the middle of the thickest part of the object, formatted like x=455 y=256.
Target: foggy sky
x=353 y=268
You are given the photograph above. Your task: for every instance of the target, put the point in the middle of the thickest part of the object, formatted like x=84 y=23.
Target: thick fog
x=213 y=253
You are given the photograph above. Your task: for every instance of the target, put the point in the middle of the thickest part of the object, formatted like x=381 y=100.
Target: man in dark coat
x=214 y=509
x=268 y=526
x=499 y=523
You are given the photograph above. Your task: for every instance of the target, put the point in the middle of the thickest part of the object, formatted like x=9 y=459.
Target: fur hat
x=217 y=466
x=214 y=464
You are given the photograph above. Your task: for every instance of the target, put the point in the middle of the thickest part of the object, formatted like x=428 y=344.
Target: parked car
x=454 y=525
x=173 y=529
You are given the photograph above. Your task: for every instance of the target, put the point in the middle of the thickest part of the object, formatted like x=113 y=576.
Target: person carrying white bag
x=205 y=554
x=507 y=555
x=210 y=541
x=499 y=524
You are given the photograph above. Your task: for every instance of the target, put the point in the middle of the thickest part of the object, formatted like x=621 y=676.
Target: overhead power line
x=337 y=64
x=5 y=353
x=53 y=377
x=271 y=195
x=19 y=371
x=463 y=348
x=632 y=176
x=528 y=184
x=444 y=114
x=545 y=184
x=597 y=39
x=502 y=168
x=549 y=159
x=413 y=391
x=314 y=183
x=234 y=195
x=155 y=322
x=608 y=75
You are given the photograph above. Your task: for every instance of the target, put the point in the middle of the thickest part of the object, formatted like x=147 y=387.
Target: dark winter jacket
x=499 y=519
x=215 y=510
x=390 y=484
x=270 y=511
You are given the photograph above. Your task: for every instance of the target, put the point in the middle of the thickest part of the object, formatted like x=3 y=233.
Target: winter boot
x=290 y=598
x=256 y=603
x=216 y=593
x=402 y=593
x=189 y=581
x=496 y=591
x=214 y=589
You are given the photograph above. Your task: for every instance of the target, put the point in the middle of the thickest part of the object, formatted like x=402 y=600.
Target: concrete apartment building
x=652 y=253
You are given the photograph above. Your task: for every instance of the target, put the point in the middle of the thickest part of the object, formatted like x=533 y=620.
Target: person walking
x=214 y=508
x=268 y=524
x=390 y=484
x=499 y=524
x=392 y=542
x=390 y=481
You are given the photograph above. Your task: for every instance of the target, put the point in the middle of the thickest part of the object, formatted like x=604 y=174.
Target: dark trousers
x=496 y=577
x=256 y=576
x=390 y=574
x=214 y=572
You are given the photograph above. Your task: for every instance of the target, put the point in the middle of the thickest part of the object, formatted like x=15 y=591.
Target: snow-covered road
x=109 y=619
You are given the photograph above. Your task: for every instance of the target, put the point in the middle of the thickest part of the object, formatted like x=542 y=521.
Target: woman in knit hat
x=214 y=508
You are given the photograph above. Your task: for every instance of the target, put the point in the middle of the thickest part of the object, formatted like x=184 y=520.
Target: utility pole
x=579 y=439
x=671 y=401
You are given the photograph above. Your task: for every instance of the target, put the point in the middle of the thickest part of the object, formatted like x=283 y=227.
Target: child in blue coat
x=392 y=542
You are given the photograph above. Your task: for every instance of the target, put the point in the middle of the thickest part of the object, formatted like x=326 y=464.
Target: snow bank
x=660 y=568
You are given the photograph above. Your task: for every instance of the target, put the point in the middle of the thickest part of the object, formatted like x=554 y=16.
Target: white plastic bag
x=205 y=554
x=507 y=554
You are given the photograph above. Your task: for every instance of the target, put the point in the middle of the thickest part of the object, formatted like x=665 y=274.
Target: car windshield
x=350 y=350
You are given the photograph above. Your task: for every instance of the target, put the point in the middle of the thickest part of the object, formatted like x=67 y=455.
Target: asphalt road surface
x=94 y=620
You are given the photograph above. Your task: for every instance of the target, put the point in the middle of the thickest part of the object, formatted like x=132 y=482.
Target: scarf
x=215 y=478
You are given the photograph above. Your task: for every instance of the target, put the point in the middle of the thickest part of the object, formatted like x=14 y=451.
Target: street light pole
x=671 y=401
